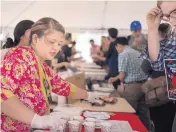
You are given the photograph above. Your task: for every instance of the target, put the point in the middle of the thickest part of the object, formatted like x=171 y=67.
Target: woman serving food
x=27 y=82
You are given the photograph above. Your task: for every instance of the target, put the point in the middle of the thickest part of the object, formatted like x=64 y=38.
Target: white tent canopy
x=84 y=18
x=77 y=15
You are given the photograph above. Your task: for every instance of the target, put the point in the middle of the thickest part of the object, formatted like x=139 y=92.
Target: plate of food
x=98 y=103
x=107 y=99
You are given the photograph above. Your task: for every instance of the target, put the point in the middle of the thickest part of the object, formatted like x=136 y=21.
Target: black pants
x=163 y=117
x=174 y=124
x=115 y=84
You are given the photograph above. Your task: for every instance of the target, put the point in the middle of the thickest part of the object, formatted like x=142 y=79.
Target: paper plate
x=97 y=115
x=97 y=122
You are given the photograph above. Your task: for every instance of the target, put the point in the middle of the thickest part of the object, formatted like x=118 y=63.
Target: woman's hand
x=154 y=18
x=66 y=64
x=52 y=122
x=112 y=79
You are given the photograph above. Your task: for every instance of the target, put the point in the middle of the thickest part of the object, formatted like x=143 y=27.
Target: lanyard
x=44 y=82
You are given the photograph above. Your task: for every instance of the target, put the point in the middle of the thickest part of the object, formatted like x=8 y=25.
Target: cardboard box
x=78 y=80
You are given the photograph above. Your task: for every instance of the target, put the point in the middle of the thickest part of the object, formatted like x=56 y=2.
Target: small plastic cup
x=106 y=127
x=74 y=126
x=89 y=126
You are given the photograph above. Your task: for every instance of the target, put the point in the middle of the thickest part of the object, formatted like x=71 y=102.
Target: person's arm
x=69 y=55
x=16 y=110
x=157 y=65
x=122 y=66
x=153 y=44
x=102 y=58
x=58 y=65
x=62 y=64
x=120 y=76
x=153 y=21
x=69 y=58
x=64 y=88
x=10 y=104
x=67 y=52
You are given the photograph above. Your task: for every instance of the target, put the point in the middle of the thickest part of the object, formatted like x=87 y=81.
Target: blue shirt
x=130 y=63
x=167 y=51
x=112 y=60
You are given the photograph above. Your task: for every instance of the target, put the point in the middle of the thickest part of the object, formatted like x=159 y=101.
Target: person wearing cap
x=132 y=77
x=27 y=82
x=137 y=39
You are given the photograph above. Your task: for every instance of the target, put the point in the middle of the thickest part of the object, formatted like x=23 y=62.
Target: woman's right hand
x=154 y=18
x=52 y=121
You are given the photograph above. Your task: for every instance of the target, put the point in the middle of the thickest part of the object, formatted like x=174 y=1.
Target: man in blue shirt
x=132 y=78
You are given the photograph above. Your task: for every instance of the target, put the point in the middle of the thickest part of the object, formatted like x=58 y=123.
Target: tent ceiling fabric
x=77 y=14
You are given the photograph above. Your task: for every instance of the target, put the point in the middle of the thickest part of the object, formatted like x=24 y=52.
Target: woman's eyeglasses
x=167 y=17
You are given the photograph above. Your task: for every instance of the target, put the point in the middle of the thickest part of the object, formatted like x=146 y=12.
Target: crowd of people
x=41 y=49
x=140 y=57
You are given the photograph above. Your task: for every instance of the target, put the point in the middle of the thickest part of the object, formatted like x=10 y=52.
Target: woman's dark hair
x=91 y=40
x=20 y=29
x=9 y=43
x=121 y=40
x=73 y=43
x=113 y=32
x=68 y=36
x=44 y=26
x=165 y=30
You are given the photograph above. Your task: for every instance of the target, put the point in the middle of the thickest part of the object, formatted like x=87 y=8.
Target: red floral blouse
x=20 y=77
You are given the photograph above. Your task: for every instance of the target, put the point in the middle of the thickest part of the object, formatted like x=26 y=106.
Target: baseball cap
x=135 y=25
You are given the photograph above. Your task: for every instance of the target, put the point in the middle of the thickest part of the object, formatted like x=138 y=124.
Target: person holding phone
x=166 y=11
